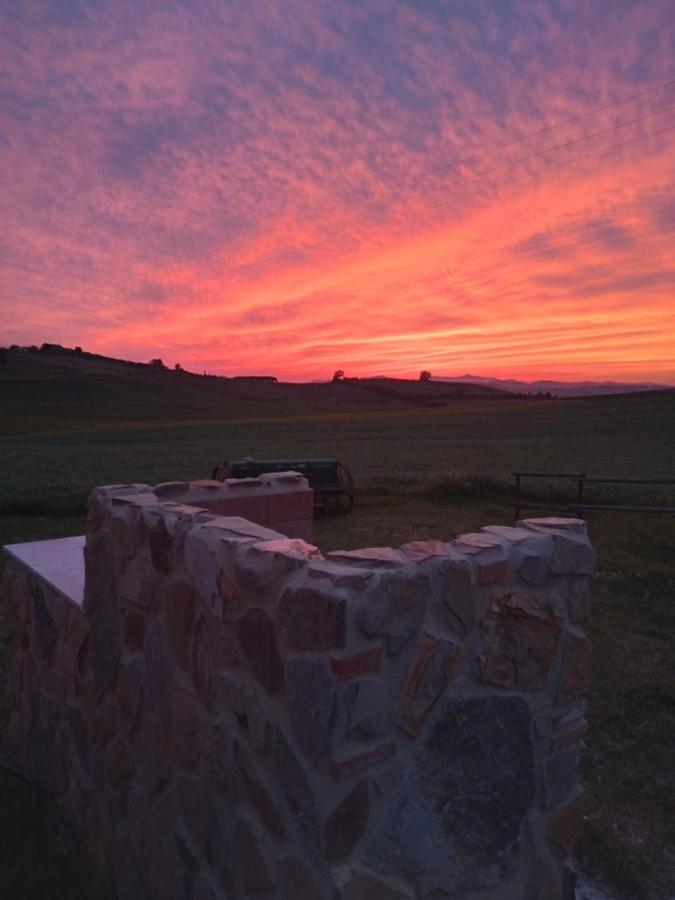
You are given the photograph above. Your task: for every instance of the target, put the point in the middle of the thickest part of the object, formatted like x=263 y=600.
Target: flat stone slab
x=59 y=563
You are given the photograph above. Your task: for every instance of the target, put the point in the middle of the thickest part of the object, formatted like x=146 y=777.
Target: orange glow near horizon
x=316 y=235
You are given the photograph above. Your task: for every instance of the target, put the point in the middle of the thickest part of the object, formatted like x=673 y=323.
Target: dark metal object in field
x=330 y=480
x=580 y=505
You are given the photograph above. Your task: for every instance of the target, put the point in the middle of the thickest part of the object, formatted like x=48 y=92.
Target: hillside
x=56 y=391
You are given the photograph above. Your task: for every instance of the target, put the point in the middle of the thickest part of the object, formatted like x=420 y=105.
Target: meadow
x=421 y=472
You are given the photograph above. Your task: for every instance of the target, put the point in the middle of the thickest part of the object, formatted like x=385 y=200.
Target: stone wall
x=233 y=715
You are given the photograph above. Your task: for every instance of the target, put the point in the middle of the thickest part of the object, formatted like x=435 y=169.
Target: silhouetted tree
x=338 y=375
x=425 y=375
x=157 y=363
x=178 y=367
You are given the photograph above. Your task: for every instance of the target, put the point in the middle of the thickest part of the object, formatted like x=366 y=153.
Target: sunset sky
x=382 y=186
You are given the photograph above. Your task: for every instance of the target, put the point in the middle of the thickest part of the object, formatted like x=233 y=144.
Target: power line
x=569 y=143
x=560 y=165
x=539 y=131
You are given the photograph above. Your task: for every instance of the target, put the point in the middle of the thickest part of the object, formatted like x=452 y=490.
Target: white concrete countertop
x=59 y=563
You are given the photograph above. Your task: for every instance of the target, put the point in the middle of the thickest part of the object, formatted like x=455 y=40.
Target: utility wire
x=568 y=162
x=545 y=150
x=531 y=134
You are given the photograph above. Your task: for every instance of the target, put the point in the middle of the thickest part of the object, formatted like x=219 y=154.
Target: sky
x=381 y=186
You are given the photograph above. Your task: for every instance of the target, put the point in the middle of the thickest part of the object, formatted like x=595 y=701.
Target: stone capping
x=58 y=563
x=275 y=717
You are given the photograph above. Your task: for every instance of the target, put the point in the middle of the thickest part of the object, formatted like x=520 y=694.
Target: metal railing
x=579 y=503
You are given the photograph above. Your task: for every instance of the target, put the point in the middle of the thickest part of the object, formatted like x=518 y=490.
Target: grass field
x=422 y=472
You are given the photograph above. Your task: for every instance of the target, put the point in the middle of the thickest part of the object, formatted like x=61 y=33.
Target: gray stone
x=394 y=609
x=347 y=824
x=101 y=605
x=461 y=598
x=572 y=555
x=157 y=672
x=562 y=775
x=365 y=701
x=454 y=821
x=310 y=690
x=300 y=794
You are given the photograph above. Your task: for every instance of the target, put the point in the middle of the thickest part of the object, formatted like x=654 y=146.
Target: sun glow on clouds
x=274 y=187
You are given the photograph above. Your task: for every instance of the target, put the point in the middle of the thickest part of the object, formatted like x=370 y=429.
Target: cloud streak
x=276 y=186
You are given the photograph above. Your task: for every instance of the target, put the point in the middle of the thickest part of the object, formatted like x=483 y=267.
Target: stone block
x=492 y=571
x=432 y=668
x=119 y=764
x=533 y=568
x=521 y=642
x=365 y=886
x=461 y=597
x=575 y=676
x=555 y=523
x=579 y=601
x=162 y=863
x=347 y=823
x=562 y=775
x=133 y=630
x=572 y=556
x=365 y=701
x=419 y=551
x=371 y=557
x=157 y=672
x=297 y=881
x=300 y=794
x=565 y=824
x=310 y=689
x=340 y=575
x=362 y=663
x=256 y=634
x=454 y=821
x=188 y=726
x=393 y=609
x=344 y=767
x=260 y=799
x=180 y=617
x=312 y=619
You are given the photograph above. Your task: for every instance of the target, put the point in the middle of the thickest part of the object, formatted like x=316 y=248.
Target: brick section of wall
x=235 y=716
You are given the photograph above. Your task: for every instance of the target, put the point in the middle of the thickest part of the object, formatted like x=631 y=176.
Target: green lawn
x=410 y=468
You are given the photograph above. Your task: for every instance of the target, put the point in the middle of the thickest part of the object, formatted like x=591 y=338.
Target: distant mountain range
x=560 y=388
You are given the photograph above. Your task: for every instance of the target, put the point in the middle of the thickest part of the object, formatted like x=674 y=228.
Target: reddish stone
x=189 y=724
x=346 y=667
x=476 y=542
x=255 y=873
x=255 y=631
x=346 y=825
x=300 y=794
x=128 y=693
x=383 y=557
x=261 y=801
x=575 y=679
x=160 y=542
x=521 y=642
x=312 y=619
x=297 y=882
x=418 y=551
x=343 y=768
x=202 y=663
x=118 y=761
x=364 y=886
x=155 y=747
x=566 y=824
x=432 y=669
x=492 y=572
x=133 y=630
x=180 y=618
